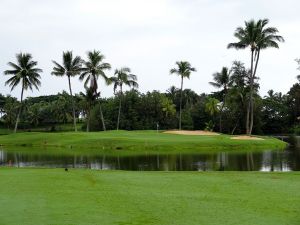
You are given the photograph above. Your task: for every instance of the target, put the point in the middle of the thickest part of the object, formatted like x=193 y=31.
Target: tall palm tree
x=26 y=73
x=71 y=67
x=122 y=77
x=94 y=67
x=222 y=80
x=183 y=70
x=257 y=36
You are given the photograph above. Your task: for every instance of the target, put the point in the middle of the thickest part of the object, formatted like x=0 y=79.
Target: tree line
x=230 y=109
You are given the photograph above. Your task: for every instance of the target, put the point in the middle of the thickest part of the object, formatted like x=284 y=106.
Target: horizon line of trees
x=238 y=85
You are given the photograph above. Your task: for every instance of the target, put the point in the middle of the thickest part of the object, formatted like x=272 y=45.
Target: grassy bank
x=135 y=140
x=53 y=196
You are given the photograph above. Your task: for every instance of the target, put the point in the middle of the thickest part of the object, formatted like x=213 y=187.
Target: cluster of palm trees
x=255 y=34
x=26 y=72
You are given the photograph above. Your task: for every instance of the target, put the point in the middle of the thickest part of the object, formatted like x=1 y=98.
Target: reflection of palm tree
x=183 y=70
x=122 y=77
x=222 y=80
x=93 y=68
x=26 y=73
x=70 y=68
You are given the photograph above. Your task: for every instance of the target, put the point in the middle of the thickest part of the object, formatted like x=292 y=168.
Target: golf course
x=84 y=196
x=79 y=196
x=136 y=112
x=137 y=141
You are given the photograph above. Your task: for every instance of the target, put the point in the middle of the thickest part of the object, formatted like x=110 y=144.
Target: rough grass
x=136 y=141
x=53 y=196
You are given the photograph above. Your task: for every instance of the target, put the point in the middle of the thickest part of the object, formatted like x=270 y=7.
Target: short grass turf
x=136 y=140
x=53 y=196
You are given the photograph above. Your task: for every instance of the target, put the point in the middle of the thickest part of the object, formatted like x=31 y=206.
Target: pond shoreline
x=137 y=141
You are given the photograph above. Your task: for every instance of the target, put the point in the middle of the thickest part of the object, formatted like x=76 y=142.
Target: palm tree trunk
x=101 y=115
x=221 y=113
x=250 y=105
x=19 y=113
x=73 y=105
x=88 y=120
x=180 y=104
x=252 y=108
x=120 y=104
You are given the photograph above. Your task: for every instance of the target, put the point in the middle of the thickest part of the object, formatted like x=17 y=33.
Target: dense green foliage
x=53 y=196
x=275 y=113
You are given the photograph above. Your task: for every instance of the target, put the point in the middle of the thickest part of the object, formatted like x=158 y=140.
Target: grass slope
x=137 y=141
x=53 y=196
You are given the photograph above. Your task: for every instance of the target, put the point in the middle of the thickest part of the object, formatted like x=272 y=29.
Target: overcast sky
x=148 y=36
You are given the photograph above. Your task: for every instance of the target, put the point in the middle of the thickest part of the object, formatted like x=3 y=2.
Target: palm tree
x=122 y=77
x=92 y=69
x=222 y=80
x=88 y=100
x=212 y=108
x=183 y=70
x=256 y=36
x=70 y=68
x=26 y=73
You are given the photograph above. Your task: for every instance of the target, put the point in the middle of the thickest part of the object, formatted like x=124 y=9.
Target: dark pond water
x=278 y=160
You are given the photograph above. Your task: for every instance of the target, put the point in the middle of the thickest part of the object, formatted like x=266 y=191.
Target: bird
x=66 y=169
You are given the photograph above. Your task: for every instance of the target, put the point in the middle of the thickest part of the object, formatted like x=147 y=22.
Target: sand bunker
x=191 y=132
x=245 y=137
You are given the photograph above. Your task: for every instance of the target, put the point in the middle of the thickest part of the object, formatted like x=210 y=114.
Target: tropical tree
x=93 y=68
x=183 y=70
x=71 y=67
x=88 y=100
x=257 y=36
x=26 y=73
x=212 y=108
x=222 y=80
x=122 y=77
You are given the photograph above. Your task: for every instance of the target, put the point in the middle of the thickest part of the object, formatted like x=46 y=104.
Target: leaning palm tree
x=222 y=80
x=122 y=77
x=94 y=67
x=256 y=36
x=70 y=68
x=26 y=73
x=183 y=70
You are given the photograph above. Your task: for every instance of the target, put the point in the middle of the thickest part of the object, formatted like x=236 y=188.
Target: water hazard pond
x=277 y=160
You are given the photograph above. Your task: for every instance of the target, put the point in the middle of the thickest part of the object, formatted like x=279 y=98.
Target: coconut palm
x=71 y=67
x=94 y=67
x=183 y=70
x=222 y=80
x=122 y=77
x=26 y=73
x=257 y=36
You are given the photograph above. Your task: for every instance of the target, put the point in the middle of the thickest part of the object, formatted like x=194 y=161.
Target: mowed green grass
x=136 y=141
x=53 y=196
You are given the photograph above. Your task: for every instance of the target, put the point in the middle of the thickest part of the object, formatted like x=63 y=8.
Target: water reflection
x=288 y=160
